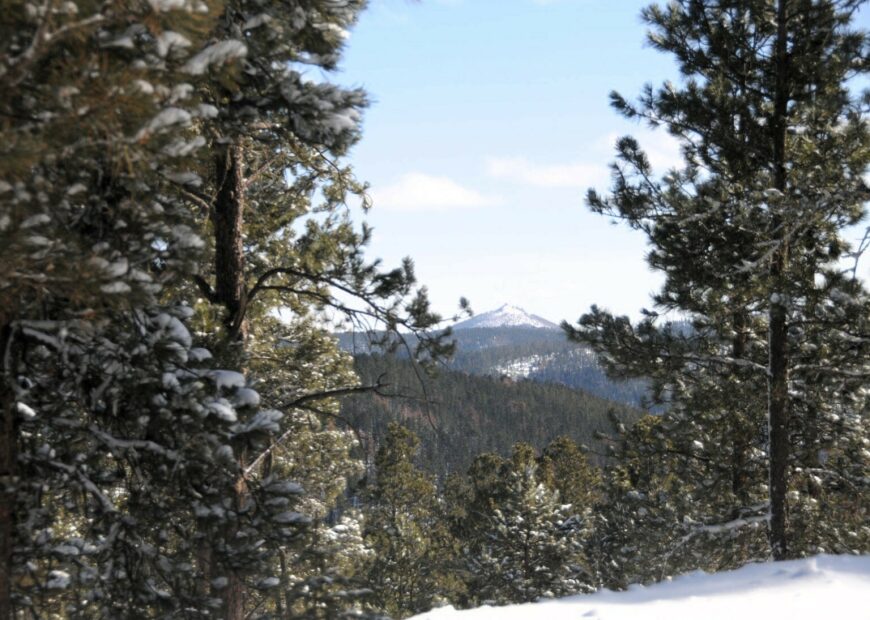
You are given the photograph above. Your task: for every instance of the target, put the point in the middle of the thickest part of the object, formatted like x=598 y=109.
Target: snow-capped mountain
x=510 y=342
x=506 y=316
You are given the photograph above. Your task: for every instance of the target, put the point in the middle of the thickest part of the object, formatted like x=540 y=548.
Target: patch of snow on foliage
x=160 y=6
x=171 y=39
x=166 y=118
x=810 y=589
x=58 y=580
x=216 y=54
x=116 y=288
x=229 y=379
x=25 y=411
x=222 y=409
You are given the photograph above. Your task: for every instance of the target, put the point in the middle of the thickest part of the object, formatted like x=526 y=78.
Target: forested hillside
x=542 y=355
x=466 y=415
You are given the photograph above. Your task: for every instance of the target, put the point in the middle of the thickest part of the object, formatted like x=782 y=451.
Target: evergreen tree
x=140 y=473
x=405 y=530
x=275 y=207
x=566 y=469
x=111 y=418
x=656 y=516
x=518 y=540
x=321 y=572
x=748 y=235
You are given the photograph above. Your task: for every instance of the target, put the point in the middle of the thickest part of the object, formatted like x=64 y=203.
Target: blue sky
x=489 y=120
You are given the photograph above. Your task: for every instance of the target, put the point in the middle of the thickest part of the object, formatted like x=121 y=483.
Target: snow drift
x=819 y=588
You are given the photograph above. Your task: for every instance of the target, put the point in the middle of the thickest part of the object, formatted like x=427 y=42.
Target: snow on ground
x=820 y=588
x=521 y=367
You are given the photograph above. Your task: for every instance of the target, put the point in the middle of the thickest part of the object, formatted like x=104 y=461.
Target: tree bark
x=778 y=423
x=231 y=292
x=778 y=369
x=8 y=473
x=739 y=441
x=229 y=258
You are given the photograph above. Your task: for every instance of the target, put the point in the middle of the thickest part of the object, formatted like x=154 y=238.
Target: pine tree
x=566 y=469
x=105 y=399
x=140 y=470
x=275 y=207
x=404 y=528
x=748 y=235
x=321 y=572
x=519 y=541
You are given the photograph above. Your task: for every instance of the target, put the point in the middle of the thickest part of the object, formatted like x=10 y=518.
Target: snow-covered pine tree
x=655 y=502
x=565 y=468
x=110 y=419
x=748 y=235
x=121 y=439
x=275 y=207
x=404 y=528
x=322 y=573
x=518 y=540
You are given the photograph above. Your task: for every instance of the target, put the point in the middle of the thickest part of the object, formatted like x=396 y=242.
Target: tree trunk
x=778 y=413
x=234 y=597
x=229 y=258
x=778 y=398
x=8 y=457
x=739 y=441
x=230 y=292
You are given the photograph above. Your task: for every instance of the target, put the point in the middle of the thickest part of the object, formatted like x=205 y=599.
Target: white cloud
x=594 y=171
x=416 y=191
x=576 y=174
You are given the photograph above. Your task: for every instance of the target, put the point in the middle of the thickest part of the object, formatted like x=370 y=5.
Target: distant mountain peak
x=508 y=315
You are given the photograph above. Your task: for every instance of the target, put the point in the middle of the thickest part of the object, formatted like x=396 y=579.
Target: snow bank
x=817 y=588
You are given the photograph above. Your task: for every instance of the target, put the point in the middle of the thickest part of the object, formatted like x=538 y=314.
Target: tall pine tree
x=748 y=234
x=140 y=473
x=404 y=526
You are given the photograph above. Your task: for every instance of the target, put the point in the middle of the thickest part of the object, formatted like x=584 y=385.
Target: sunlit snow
x=506 y=316
x=836 y=587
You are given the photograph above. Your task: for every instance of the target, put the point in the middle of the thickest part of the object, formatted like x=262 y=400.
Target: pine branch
x=205 y=288
x=302 y=403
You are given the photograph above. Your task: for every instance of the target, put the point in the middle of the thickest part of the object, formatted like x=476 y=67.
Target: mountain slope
x=473 y=414
x=540 y=355
x=521 y=351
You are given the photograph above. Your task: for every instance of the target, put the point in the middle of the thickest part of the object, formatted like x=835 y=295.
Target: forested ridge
x=458 y=416
x=541 y=355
